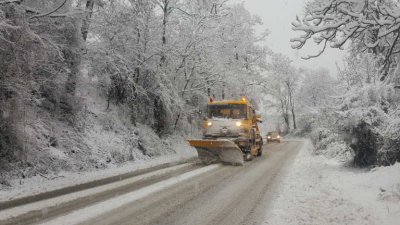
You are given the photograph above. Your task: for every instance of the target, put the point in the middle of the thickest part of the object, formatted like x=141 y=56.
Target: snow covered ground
x=321 y=191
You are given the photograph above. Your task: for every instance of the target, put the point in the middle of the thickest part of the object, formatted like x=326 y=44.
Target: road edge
x=90 y=184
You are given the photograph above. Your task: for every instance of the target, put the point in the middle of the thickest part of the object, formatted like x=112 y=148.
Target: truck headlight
x=268 y=137
x=238 y=124
x=279 y=136
x=209 y=124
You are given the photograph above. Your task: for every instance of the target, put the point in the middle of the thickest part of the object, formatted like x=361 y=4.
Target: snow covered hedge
x=366 y=131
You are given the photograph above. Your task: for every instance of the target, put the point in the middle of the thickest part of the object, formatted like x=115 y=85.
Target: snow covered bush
x=390 y=151
x=364 y=143
x=360 y=126
x=365 y=128
x=330 y=144
x=305 y=125
x=367 y=115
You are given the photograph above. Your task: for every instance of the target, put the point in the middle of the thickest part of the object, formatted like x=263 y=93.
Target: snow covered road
x=187 y=194
x=227 y=195
x=287 y=185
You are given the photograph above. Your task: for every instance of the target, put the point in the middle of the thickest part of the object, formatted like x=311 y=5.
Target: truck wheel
x=260 y=145
x=248 y=157
x=253 y=136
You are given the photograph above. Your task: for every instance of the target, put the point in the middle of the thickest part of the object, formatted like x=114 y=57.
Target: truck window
x=227 y=111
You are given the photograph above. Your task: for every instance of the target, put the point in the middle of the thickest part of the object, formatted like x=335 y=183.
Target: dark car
x=273 y=137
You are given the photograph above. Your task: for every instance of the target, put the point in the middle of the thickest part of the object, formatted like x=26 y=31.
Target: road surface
x=218 y=194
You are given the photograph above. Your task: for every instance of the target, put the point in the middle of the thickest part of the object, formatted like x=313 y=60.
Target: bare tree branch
x=50 y=12
x=10 y=1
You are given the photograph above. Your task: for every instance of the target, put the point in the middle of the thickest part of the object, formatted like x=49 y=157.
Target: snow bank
x=41 y=184
x=318 y=190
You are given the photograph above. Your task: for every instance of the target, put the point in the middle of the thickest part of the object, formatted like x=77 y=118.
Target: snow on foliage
x=87 y=84
x=360 y=110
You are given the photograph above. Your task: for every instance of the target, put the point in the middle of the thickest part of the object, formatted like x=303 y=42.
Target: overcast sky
x=277 y=16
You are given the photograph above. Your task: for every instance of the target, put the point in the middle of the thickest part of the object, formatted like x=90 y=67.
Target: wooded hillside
x=87 y=83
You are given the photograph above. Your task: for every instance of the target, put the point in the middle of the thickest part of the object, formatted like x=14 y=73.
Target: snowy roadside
x=38 y=184
x=320 y=191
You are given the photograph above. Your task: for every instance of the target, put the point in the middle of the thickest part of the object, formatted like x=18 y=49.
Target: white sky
x=277 y=16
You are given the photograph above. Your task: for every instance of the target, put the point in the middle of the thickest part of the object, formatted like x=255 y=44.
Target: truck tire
x=248 y=157
x=253 y=137
x=260 y=144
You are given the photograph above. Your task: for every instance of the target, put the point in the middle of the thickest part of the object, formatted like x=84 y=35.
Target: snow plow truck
x=230 y=133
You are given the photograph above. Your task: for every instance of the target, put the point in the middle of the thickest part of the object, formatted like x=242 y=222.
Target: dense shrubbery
x=367 y=123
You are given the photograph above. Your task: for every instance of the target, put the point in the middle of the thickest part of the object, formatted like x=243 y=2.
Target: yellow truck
x=230 y=133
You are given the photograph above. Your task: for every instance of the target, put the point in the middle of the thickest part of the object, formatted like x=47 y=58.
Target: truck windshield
x=227 y=111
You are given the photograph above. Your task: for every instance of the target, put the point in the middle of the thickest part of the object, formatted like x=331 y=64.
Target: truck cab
x=235 y=120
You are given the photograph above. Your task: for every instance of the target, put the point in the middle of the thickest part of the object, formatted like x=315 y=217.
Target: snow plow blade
x=211 y=151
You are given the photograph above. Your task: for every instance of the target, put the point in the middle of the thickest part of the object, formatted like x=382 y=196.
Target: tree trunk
x=287 y=122
x=289 y=86
x=165 y=9
x=292 y=109
x=73 y=57
x=294 y=119
x=88 y=16
x=158 y=111
x=208 y=89
x=285 y=114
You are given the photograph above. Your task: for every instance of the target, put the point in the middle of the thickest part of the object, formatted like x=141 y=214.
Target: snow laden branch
x=375 y=24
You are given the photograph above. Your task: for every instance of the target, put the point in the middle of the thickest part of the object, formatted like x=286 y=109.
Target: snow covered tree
x=40 y=52
x=316 y=89
x=282 y=83
x=135 y=67
x=373 y=25
x=370 y=30
x=178 y=51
